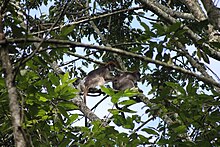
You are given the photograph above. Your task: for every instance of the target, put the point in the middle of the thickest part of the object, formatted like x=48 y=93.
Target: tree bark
x=18 y=132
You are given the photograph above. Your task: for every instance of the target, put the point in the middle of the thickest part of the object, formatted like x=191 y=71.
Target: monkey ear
x=138 y=75
x=112 y=64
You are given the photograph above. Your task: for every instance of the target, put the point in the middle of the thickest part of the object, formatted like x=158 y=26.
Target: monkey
x=98 y=77
x=126 y=80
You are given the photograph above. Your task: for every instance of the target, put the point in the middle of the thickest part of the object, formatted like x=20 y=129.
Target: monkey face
x=138 y=76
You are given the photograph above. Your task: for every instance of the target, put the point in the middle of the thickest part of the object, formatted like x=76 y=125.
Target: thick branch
x=213 y=13
x=195 y=9
x=119 y=51
x=86 y=111
x=174 y=13
x=78 y=101
x=13 y=100
x=150 y=4
x=19 y=136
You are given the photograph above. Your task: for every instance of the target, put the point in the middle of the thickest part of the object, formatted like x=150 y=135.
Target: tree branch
x=86 y=111
x=116 y=50
x=174 y=13
x=90 y=18
x=45 y=37
x=195 y=9
x=150 y=4
x=19 y=136
x=85 y=58
x=213 y=13
x=118 y=58
x=194 y=62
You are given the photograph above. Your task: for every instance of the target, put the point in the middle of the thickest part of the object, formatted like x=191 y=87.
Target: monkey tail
x=84 y=95
x=84 y=99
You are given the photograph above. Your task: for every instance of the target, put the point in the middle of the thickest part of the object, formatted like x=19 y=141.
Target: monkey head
x=111 y=65
x=126 y=80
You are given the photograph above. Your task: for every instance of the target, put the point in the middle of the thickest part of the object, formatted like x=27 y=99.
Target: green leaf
x=128 y=123
x=190 y=89
x=67 y=29
x=54 y=79
x=130 y=93
x=70 y=81
x=119 y=120
x=65 y=78
x=116 y=97
x=43 y=99
x=63 y=111
x=180 y=129
x=114 y=111
x=216 y=44
x=72 y=118
x=128 y=102
x=23 y=72
x=177 y=87
x=96 y=126
x=41 y=112
x=94 y=6
x=174 y=27
x=2 y=83
x=205 y=57
x=68 y=105
x=58 y=88
x=159 y=56
x=199 y=53
x=160 y=29
x=149 y=131
x=147 y=29
x=149 y=54
x=108 y=91
x=65 y=142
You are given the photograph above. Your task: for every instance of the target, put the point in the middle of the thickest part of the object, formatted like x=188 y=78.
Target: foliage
x=180 y=108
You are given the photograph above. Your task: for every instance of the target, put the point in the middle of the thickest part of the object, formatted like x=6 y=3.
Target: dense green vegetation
x=172 y=43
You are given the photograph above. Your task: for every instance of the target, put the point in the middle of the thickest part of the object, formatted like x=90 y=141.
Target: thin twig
x=118 y=58
x=45 y=37
x=91 y=18
x=4 y=6
x=96 y=105
x=85 y=58
x=138 y=128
